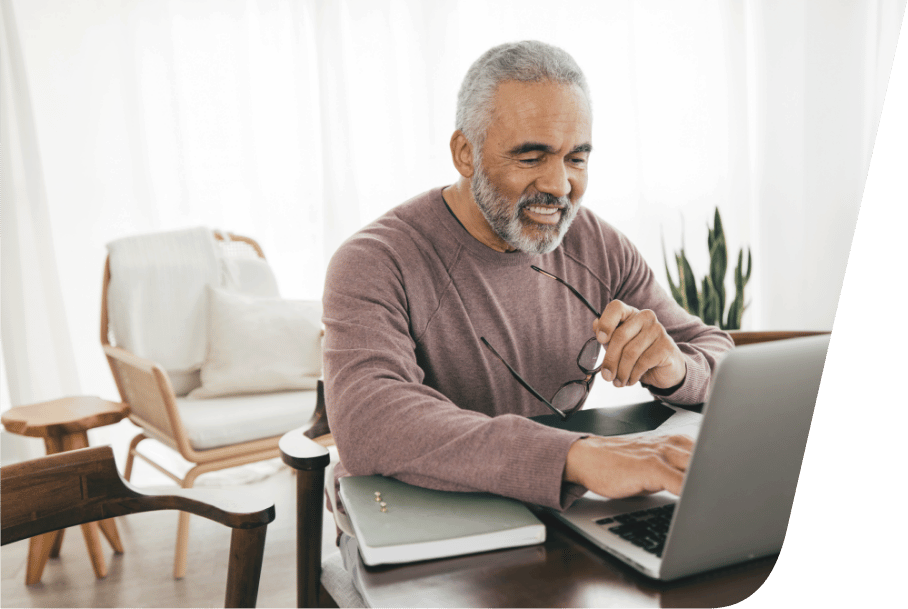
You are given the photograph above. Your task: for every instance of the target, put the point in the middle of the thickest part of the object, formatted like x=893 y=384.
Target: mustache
x=543 y=198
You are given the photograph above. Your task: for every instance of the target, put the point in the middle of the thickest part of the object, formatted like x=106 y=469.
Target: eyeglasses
x=570 y=396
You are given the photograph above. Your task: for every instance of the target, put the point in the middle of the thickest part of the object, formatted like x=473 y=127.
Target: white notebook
x=423 y=524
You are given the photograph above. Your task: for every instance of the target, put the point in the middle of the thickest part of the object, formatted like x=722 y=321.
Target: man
x=417 y=304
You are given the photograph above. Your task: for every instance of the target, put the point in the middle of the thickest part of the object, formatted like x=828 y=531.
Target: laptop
x=740 y=484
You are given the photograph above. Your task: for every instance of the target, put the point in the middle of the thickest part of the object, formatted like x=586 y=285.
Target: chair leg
x=109 y=528
x=182 y=549
x=58 y=543
x=310 y=491
x=95 y=552
x=131 y=455
x=247 y=549
x=39 y=549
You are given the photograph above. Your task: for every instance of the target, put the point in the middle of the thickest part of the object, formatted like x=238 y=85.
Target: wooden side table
x=64 y=424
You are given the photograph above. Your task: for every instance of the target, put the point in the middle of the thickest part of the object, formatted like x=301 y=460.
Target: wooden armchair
x=159 y=411
x=82 y=486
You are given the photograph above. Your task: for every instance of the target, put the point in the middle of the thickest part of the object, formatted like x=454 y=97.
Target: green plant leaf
x=718 y=265
x=689 y=286
x=739 y=274
x=735 y=310
x=717 y=226
x=710 y=311
x=749 y=267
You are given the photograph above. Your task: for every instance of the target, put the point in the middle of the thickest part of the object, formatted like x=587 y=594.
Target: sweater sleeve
x=386 y=421
x=701 y=345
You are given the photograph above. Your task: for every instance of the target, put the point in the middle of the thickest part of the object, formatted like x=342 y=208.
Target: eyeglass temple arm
x=520 y=380
x=571 y=288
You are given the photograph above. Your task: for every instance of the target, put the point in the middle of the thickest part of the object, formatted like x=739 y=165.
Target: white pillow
x=252 y=276
x=258 y=345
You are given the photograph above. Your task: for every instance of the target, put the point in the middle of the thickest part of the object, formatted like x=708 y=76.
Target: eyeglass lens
x=570 y=396
x=591 y=357
x=573 y=394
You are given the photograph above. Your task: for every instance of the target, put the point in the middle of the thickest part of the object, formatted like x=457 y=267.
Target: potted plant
x=706 y=299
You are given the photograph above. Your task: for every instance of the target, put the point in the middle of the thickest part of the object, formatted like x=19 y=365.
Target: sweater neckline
x=472 y=245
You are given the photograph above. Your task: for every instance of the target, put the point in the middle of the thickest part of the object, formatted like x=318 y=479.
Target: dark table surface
x=565 y=571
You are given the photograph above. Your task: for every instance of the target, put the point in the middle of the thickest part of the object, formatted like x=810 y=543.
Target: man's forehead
x=530 y=114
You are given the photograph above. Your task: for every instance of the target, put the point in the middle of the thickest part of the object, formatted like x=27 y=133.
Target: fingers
x=641 y=354
x=622 y=467
x=615 y=313
x=637 y=347
x=628 y=335
x=669 y=467
x=677 y=457
x=672 y=481
x=681 y=441
x=674 y=451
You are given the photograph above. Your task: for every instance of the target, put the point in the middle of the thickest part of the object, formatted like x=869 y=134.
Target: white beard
x=508 y=222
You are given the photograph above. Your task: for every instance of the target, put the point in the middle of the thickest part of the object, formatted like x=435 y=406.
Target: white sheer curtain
x=38 y=349
x=298 y=122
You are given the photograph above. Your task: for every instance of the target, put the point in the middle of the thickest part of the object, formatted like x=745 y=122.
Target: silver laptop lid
x=741 y=481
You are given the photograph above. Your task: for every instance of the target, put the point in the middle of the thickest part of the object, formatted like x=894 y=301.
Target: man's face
x=533 y=168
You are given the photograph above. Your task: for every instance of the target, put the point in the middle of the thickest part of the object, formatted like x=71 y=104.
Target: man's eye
x=578 y=161
x=530 y=161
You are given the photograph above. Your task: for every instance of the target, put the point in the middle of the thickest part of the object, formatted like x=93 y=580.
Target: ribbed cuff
x=538 y=476
x=695 y=386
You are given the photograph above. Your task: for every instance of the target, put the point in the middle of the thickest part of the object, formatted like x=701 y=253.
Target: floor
x=143 y=575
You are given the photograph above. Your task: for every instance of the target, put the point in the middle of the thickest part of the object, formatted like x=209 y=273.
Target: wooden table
x=565 y=571
x=63 y=424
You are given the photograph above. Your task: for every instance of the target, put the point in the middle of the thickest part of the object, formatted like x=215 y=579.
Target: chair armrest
x=145 y=386
x=129 y=359
x=225 y=506
x=310 y=460
x=302 y=453
x=79 y=486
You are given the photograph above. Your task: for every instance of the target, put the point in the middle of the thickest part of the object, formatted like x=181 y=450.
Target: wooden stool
x=63 y=425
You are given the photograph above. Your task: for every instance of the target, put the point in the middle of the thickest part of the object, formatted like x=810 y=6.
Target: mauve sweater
x=411 y=391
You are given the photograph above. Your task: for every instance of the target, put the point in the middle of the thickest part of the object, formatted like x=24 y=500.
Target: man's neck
x=459 y=197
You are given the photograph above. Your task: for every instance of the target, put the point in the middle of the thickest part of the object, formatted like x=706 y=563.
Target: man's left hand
x=638 y=348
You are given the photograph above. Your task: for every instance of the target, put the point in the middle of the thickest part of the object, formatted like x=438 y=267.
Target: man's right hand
x=617 y=467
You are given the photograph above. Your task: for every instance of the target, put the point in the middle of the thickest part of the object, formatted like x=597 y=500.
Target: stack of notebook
x=397 y=522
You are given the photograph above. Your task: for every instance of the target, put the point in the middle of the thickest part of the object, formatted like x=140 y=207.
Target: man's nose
x=554 y=180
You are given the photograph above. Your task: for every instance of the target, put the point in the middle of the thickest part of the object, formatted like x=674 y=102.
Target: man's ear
x=462 y=154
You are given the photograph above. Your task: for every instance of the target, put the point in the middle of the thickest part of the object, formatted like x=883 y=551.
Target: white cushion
x=259 y=345
x=251 y=276
x=230 y=420
x=184 y=381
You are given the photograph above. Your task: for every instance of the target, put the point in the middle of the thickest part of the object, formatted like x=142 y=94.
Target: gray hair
x=526 y=61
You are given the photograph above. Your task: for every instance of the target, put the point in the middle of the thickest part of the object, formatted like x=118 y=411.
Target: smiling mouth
x=543 y=214
x=545 y=211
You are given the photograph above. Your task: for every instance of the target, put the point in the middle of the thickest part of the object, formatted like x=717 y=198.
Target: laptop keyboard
x=646 y=529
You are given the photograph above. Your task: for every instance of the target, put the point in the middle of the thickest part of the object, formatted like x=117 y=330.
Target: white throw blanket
x=156 y=298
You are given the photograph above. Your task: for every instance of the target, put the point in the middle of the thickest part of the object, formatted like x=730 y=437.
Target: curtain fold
x=297 y=122
x=38 y=352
